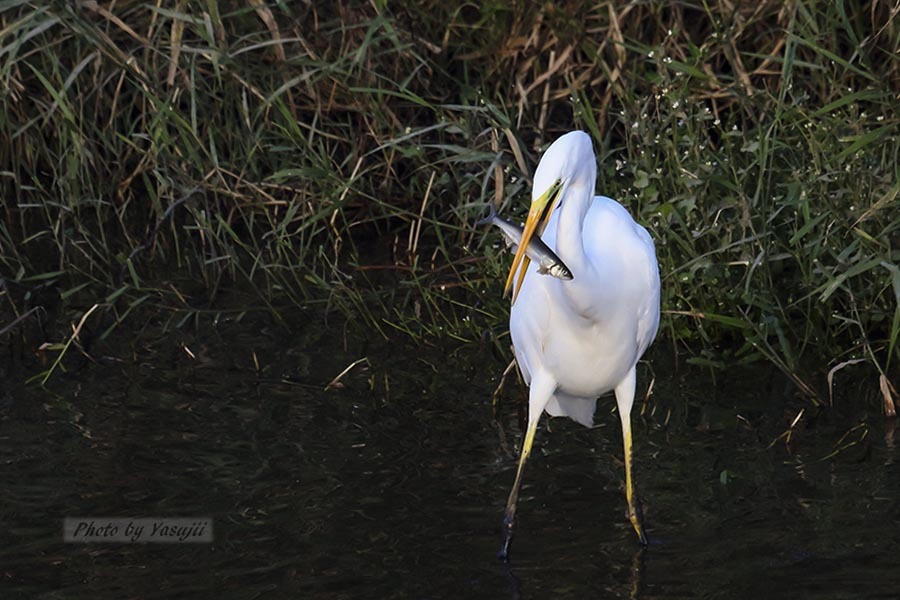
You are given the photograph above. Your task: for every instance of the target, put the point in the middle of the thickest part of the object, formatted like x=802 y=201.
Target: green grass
x=158 y=157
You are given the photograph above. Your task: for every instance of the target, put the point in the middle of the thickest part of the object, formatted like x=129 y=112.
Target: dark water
x=393 y=485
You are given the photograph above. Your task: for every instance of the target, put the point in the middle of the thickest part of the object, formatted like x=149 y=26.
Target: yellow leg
x=624 y=400
x=509 y=517
x=635 y=513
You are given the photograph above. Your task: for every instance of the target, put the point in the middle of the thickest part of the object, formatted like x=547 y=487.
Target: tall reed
x=155 y=155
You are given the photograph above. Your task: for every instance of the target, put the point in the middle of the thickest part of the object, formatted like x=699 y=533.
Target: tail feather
x=580 y=410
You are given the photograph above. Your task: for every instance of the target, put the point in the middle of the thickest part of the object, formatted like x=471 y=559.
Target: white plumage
x=576 y=340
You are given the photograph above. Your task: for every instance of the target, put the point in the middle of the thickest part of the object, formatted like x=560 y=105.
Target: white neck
x=570 y=247
x=569 y=226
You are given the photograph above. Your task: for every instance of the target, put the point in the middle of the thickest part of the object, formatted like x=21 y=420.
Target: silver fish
x=547 y=260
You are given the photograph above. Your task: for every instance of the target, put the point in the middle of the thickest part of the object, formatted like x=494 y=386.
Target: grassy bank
x=157 y=154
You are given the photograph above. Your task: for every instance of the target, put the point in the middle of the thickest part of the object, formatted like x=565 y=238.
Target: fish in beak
x=538 y=216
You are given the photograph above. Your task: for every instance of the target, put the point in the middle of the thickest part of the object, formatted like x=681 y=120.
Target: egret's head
x=568 y=163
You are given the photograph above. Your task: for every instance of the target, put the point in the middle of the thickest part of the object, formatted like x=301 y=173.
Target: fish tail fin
x=490 y=218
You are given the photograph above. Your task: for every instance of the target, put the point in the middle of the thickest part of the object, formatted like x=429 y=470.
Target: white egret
x=575 y=340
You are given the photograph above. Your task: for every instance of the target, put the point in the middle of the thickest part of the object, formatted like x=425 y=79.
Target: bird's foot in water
x=509 y=524
x=635 y=514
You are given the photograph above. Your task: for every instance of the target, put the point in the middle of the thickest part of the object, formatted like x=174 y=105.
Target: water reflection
x=393 y=486
x=890 y=430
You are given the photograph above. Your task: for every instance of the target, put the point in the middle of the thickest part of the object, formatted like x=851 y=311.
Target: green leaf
x=829 y=288
x=863 y=140
x=642 y=180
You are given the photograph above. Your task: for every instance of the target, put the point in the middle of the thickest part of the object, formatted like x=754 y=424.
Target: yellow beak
x=538 y=215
